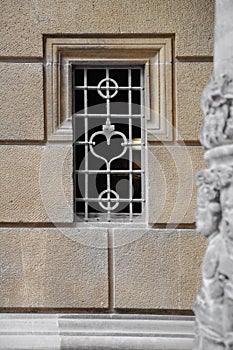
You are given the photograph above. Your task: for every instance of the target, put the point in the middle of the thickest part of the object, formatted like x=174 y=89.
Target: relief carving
x=214 y=220
x=217 y=106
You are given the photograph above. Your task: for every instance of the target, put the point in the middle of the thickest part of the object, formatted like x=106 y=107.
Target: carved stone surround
x=214 y=216
x=154 y=53
x=95 y=332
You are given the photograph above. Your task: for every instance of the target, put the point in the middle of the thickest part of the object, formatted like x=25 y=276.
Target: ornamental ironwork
x=109 y=143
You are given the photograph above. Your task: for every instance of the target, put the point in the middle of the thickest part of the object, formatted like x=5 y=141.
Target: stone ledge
x=95 y=331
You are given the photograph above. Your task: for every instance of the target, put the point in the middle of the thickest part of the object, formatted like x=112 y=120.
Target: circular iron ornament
x=107 y=88
x=109 y=200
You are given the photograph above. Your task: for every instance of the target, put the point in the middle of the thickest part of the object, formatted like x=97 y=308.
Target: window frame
x=150 y=50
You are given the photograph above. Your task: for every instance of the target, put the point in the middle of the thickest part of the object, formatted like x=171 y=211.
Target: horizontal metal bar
x=128 y=144
x=133 y=144
x=126 y=172
x=108 y=63
x=122 y=200
x=78 y=115
x=114 y=217
x=77 y=87
x=83 y=143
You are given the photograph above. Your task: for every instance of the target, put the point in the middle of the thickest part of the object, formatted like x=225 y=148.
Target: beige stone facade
x=78 y=268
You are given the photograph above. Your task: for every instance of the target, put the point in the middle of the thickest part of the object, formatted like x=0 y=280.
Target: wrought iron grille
x=109 y=142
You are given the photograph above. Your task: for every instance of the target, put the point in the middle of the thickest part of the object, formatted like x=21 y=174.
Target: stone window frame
x=152 y=51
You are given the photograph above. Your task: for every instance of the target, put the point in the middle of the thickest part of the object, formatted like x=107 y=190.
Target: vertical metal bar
x=107 y=92
x=86 y=145
x=108 y=168
x=143 y=139
x=130 y=147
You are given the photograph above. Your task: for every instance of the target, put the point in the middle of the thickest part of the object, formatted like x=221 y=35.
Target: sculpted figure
x=217 y=106
x=214 y=304
x=208 y=213
x=213 y=126
x=226 y=267
x=209 y=305
x=225 y=175
x=208 y=218
x=227 y=227
x=214 y=217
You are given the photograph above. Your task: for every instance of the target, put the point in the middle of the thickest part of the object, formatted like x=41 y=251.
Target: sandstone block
x=53 y=268
x=172 y=188
x=21 y=106
x=24 y=22
x=191 y=78
x=36 y=183
x=157 y=269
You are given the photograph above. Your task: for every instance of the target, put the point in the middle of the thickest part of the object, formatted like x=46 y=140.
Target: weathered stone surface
x=217 y=105
x=172 y=189
x=36 y=183
x=214 y=306
x=190 y=81
x=157 y=269
x=214 y=215
x=53 y=268
x=24 y=22
x=87 y=331
x=21 y=106
x=223 y=45
x=214 y=303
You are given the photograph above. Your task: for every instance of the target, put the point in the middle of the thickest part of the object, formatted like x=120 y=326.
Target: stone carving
x=208 y=212
x=217 y=106
x=214 y=219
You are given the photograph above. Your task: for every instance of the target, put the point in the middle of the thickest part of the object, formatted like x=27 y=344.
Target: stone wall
x=47 y=263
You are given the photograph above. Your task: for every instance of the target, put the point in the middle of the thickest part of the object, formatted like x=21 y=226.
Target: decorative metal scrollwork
x=107 y=87
x=108 y=143
x=108 y=130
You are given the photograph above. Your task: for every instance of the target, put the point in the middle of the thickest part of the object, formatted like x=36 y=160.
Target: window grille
x=109 y=143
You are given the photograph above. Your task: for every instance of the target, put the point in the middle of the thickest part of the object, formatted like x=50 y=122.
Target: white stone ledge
x=95 y=331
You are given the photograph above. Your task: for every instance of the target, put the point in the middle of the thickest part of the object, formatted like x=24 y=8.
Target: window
x=109 y=142
x=96 y=87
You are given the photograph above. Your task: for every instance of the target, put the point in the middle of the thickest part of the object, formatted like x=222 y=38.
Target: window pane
x=136 y=102
x=120 y=184
x=120 y=76
x=136 y=185
x=94 y=76
x=95 y=103
x=79 y=208
x=119 y=104
x=80 y=186
x=135 y=77
x=137 y=208
x=79 y=156
x=79 y=129
x=79 y=77
x=97 y=183
x=79 y=101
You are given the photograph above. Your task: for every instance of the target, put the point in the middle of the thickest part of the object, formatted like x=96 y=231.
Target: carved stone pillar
x=214 y=215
